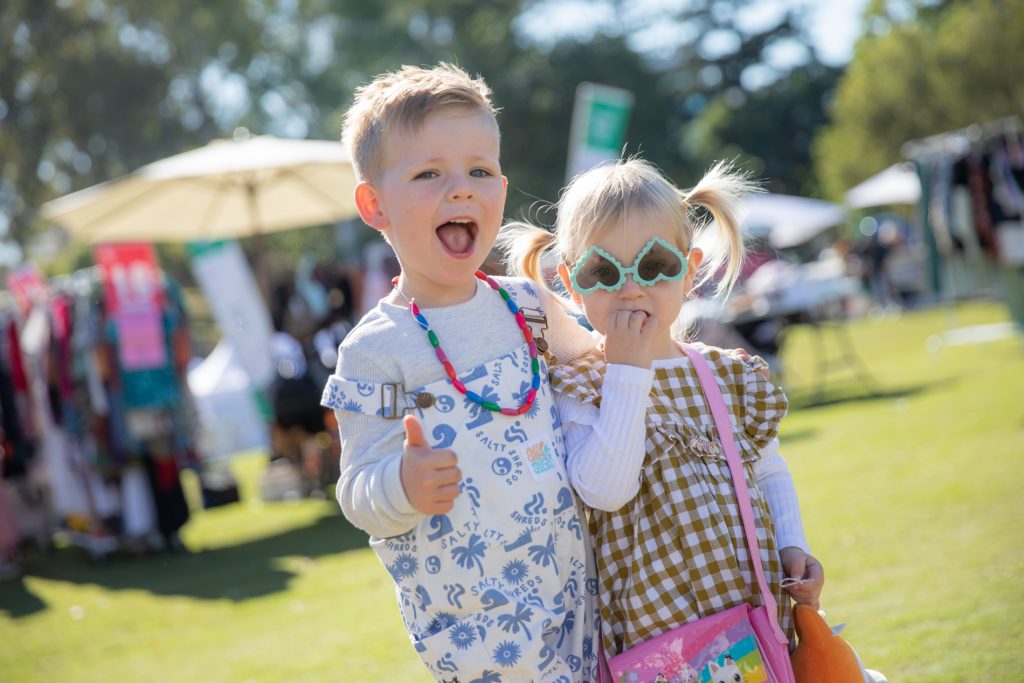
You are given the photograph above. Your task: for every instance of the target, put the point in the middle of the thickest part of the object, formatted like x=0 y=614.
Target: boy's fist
x=430 y=476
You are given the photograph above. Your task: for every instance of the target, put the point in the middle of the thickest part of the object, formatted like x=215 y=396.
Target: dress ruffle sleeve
x=581 y=379
x=764 y=404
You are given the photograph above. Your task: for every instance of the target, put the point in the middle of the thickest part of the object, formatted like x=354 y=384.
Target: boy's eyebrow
x=437 y=160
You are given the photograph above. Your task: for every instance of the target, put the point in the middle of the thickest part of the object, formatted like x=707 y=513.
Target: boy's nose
x=460 y=188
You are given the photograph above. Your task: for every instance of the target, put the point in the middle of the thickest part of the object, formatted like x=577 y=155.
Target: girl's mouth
x=457 y=236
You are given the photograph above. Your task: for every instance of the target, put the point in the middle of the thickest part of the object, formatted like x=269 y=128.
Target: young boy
x=452 y=455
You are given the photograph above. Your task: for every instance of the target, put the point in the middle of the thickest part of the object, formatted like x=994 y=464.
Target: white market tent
x=786 y=220
x=898 y=184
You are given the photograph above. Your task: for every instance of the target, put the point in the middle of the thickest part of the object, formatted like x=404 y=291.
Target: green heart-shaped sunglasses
x=657 y=261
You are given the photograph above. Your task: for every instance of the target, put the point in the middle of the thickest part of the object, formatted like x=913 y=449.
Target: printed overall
x=502 y=588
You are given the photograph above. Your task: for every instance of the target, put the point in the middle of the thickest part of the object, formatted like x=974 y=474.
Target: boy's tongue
x=456 y=236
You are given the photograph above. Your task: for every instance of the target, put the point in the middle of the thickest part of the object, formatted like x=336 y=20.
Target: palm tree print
x=544 y=554
x=511 y=623
x=478 y=414
x=488 y=677
x=471 y=554
x=566 y=628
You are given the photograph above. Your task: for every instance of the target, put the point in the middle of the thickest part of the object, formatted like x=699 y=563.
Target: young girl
x=643 y=451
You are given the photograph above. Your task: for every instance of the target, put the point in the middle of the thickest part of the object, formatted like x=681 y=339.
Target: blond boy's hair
x=404 y=99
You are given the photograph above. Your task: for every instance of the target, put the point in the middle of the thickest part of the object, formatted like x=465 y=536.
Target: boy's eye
x=427 y=175
x=480 y=173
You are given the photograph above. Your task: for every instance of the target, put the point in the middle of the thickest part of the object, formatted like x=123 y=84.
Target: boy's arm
x=370 y=486
x=606 y=447
x=567 y=339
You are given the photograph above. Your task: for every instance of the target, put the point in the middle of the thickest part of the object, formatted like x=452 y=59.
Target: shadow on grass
x=236 y=573
x=808 y=400
x=790 y=437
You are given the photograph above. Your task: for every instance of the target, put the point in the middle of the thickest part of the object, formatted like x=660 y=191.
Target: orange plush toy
x=821 y=656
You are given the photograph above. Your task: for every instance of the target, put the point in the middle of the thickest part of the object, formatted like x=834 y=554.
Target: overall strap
x=713 y=395
x=389 y=400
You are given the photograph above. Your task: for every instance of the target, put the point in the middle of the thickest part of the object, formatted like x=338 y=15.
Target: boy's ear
x=563 y=272
x=369 y=207
x=693 y=261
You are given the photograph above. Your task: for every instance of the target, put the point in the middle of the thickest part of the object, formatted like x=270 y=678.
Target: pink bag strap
x=713 y=395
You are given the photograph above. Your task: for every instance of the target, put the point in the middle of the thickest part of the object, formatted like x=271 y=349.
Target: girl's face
x=663 y=299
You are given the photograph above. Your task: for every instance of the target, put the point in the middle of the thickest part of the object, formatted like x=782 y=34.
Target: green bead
x=504 y=294
x=535 y=366
x=433 y=338
x=493 y=407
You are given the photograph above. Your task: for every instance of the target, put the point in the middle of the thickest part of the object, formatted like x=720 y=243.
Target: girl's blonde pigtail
x=522 y=246
x=720 y=191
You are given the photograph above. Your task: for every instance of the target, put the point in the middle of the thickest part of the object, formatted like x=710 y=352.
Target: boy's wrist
x=394 y=490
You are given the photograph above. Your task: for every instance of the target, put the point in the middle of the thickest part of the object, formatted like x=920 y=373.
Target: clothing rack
x=932 y=153
x=957 y=143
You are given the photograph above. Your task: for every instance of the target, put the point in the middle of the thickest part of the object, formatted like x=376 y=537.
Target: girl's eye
x=427 y=175
x=605 y=273
x=650 y=269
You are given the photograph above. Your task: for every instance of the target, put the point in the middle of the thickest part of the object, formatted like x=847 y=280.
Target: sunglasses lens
x=596 y=270
x=659 y=262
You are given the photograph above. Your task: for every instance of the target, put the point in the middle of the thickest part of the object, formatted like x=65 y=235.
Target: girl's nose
x=630 y=288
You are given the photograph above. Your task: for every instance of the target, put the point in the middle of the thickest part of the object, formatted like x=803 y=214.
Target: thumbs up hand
x=430 y=476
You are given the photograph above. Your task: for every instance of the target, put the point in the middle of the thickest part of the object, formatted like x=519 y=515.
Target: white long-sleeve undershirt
x=606 y=449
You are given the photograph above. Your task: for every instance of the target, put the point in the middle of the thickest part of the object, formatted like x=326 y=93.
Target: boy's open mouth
x=457 y=236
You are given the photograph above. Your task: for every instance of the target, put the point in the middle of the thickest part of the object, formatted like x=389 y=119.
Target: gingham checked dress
x=676 y=552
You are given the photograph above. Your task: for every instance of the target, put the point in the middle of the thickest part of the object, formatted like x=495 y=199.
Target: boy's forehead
x=399 y=134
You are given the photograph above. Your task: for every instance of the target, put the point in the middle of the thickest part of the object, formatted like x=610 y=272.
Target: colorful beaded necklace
x=459 y=386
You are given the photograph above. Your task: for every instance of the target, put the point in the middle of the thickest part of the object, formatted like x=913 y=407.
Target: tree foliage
x=91 y=89
x=946 y=67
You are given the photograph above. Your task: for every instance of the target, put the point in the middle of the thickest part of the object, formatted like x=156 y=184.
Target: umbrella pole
x=259 y=265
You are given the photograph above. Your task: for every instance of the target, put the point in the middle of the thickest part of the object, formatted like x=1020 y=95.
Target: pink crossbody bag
x=743 y=641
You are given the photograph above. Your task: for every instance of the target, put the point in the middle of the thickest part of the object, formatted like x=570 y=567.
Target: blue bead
x=536 y=382
x=474 y=396
x=422 y=321
x=512 y=306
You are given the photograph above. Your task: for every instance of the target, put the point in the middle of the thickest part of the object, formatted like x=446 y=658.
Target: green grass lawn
x=912 y=500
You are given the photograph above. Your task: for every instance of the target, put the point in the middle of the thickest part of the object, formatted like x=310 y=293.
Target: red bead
x=449 y=369
x=511 y=412
x=527 y=335
x=533 y=349
x=440 y=355
x=459 y=385
x=532 y=394
x=414 y=308
x=523 y=408
x=521 y=320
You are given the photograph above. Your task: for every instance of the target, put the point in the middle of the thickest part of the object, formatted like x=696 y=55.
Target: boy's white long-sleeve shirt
x=389 y=346
x=606 y=449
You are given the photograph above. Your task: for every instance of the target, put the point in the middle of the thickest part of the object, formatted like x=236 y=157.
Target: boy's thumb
x=413 y=431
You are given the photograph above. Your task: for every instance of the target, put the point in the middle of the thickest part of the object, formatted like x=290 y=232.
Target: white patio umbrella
x=786 y=219
x=898 y=184
x=226 y=189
